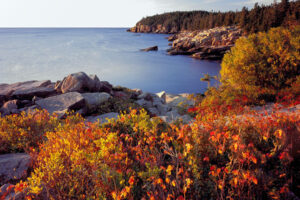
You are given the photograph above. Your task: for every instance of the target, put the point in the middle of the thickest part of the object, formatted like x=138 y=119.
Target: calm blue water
x=112 y=54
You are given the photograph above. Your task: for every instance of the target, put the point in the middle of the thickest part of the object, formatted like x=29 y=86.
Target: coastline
x=91 y=98
x=209 y=44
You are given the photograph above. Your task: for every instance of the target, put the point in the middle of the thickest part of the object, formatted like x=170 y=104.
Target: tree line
x=259 y=18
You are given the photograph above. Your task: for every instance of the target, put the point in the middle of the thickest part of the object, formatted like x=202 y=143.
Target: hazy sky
x=101 y=13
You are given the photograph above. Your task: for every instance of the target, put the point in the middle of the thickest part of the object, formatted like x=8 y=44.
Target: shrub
x=19 y=133
x=117 y=105
x=135 y=157
x=263 y=64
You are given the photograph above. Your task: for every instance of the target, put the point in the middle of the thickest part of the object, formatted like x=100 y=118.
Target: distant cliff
x=260 y=18
x=159 y=28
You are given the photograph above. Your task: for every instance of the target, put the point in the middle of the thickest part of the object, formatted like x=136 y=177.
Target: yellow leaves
x=235 y=180
x=220 y=151
x=127 y=189
x=235 y=172
x=265 y=138
x=159 y=181
x=188 y=147
x=246 y=175
x=152 y=197
x=36 y=189
x=169 y=169
x=114 y=195
x=279 y=133
x=122 y=182
x=125 y=192
x=188 y=182
x=235 y=146
x=235 y=137
x=167 y=180
x=173 y=183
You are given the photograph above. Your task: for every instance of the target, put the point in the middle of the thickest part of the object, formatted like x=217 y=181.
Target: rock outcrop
x=154 y=48
x=13 y=167
x=7 y=90
x=93 y=100
x=79 y=82
x=210 y=44
x=90 y=97
x=9 y=107
x=63 y=103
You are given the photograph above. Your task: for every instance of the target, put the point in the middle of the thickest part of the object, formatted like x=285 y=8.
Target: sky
x=102 y=13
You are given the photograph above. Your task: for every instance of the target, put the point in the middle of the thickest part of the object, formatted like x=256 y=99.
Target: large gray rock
x=60 y=104
x=79 y=82
x=144 y=103
x=13 y=167
x=105 y=87
x=8 y=89
x=163 y=108
x=179 y=100
x=102 y=118
x=9 y=107
x=173 y=115
x=146 y=95
x=153 y=111
x=157 y=101
x=31 y=92
x=93 y=100
x=169 y=118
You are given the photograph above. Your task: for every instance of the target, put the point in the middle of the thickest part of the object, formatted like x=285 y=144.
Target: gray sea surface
x=111 y=53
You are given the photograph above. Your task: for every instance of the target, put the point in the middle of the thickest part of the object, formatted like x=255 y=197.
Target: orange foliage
x=136 y=157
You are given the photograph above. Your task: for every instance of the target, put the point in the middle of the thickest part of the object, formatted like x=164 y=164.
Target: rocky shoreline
x=90 y=97
x=209 y=44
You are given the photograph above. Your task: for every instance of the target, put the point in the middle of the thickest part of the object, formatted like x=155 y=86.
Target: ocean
x=111 y=53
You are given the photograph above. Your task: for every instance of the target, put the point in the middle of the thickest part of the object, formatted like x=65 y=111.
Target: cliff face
x=141 y=28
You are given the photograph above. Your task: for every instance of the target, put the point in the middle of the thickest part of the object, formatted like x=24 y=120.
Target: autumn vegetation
x=229 y=151
x=260 y=68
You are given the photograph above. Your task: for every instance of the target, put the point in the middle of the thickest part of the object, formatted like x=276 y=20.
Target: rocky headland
x=209 y=44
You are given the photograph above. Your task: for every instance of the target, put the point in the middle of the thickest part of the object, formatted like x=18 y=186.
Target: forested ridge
x=260 y=18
